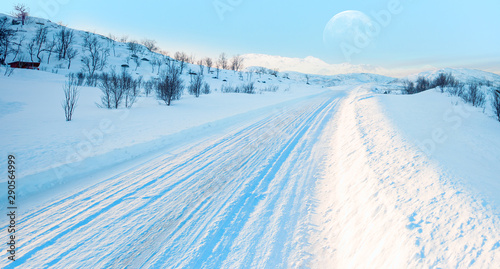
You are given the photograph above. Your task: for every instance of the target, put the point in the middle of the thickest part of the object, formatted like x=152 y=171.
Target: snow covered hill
x=62 y=152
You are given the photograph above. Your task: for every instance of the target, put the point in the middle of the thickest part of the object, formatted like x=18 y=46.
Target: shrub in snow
x=148 y=87
x=195 y=85
x=92 y=80
x=117 y=89
x=80 y=76
x=457 y=89
x=496 y=103
x=249 y=88
x=8 y=71
x=408 y=87
x=474 y=95
x=206 y=88
x=270 y=89
x=422 y=84
x=171 y=85
x=444 y=80
x=70 y=96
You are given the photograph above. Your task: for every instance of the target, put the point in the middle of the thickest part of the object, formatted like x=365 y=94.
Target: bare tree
x=8 y=71
x=71 y=95
x=65 y=39
x=137 y=62
x=134 y=47
x=129 y=86
x=274 y=72
x=97 y=55
x=19 y=45
x=106 y=83
x=71 y=54
x=170 y=86
x=196 y=85
x=202 y=67
x=7 y=36
x=124 y=39
x=168 y=61
x=21 y=12
x=148 y=86
x=217 y=68
x=150 y=45
x=237 y=63
x=112 y=43
x=32 y=49
x=40 y=40
x=191 y=59
x=222 y=61
x=50 y=48
x=209 y=63
x=261 y=71
x=182 y=58
x=156 y=62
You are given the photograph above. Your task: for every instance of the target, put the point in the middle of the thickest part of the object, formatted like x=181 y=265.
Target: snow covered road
x=327 y=182
x=383 y=203
x=242 y=200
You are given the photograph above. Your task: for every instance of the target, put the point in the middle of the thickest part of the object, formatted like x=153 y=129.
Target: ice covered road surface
x=325 y=183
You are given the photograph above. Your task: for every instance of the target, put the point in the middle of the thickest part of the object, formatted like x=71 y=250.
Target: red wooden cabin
x=25 y=65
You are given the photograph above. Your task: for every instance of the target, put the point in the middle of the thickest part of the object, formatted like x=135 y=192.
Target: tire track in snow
x=113 y=204
x=117 y=183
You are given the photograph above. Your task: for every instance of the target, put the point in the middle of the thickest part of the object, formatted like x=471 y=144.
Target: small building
x=25 y=65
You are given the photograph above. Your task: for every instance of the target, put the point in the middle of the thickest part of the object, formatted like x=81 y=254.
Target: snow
x=455 y=135
x=383 y=203
x=52 y=150
x=241 y=199
x=325 y=175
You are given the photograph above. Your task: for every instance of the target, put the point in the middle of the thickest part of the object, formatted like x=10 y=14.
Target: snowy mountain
x=461 y=74
x=312 y=65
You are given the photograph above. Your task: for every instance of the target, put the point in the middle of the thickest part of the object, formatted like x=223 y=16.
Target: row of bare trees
x=223 y=62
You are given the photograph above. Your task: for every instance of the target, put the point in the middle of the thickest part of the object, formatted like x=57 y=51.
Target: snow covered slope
x=384 y=203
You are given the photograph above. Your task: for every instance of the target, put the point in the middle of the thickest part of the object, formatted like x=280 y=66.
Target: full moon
x=344 y=28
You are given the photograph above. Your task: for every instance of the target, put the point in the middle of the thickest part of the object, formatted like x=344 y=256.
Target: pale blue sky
x=438 y=33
